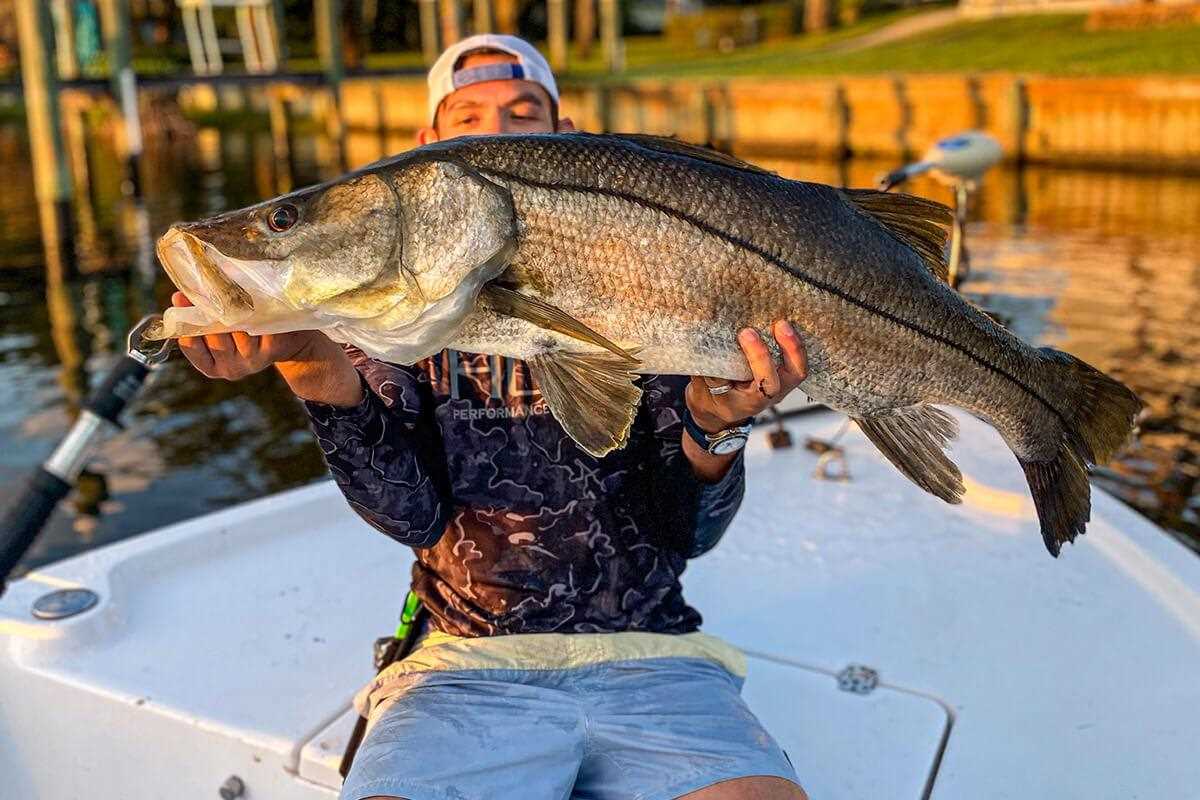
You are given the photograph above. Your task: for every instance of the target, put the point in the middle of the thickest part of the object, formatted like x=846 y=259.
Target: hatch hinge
x=858 y=678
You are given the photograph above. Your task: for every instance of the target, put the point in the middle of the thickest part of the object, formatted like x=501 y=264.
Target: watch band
x=726 y=440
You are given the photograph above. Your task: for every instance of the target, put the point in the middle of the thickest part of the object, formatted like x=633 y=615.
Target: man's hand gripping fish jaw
x=285 y=265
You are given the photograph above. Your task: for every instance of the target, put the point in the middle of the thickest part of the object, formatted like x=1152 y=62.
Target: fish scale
x=831 y=270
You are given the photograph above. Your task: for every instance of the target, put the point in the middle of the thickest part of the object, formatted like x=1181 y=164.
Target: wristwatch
x=725 y=441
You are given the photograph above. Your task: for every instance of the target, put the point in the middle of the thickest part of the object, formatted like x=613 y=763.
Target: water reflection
x=193 y=445
x=1107 y=267
x=1104 y=265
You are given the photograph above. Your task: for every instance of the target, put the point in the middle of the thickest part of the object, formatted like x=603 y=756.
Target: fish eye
x=282 y=217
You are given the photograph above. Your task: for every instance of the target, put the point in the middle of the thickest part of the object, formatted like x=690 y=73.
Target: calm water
x=1104 y=265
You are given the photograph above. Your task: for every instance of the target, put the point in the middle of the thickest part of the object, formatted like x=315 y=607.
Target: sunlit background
x=1087 y=238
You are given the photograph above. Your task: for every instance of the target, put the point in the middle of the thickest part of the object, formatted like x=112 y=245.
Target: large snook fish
x=595 y=257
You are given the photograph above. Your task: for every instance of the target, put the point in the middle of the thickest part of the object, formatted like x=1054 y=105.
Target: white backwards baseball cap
x=530 y=66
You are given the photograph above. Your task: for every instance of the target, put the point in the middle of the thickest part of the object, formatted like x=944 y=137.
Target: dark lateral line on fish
x=738 y=241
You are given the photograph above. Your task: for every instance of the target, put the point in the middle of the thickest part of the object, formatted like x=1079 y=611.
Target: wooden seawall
x=1149 y=123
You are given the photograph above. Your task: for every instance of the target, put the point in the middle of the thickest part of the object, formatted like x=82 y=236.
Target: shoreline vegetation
x=1041 y=44
x=1046 y=44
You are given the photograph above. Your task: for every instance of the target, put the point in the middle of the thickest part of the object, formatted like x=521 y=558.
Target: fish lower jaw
x=221 y=286
x=194 y=321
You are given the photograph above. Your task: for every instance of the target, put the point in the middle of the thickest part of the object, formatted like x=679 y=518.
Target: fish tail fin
x=1062 y=496
x=1102 y=410
x=1100 y=418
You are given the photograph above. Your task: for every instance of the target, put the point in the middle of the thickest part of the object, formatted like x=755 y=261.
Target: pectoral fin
x=540 y=313
x=914 y=438
x=592 y=395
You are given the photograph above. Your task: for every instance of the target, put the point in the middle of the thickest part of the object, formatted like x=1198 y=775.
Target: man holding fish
x=561 y=659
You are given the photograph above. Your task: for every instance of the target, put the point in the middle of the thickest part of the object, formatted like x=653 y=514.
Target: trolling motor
x=52 y=481
x=958 y=161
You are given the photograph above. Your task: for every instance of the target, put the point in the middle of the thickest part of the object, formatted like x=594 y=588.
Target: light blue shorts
x=645 y=727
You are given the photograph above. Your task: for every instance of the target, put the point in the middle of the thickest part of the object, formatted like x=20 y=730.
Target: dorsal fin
x=913 y=220
x=669 y=144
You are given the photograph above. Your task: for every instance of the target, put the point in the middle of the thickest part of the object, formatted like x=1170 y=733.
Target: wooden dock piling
x=52 y=181
x=329 y=47
x=585 y=27
x=328 y=20
x=556 y=32
x=114 y=18
x=610 y=34
x=451 y=20
x=482 y=16
x=51 y=176
x=429 y=30
x=281 y=138
x=63 y=13
x=279 y=29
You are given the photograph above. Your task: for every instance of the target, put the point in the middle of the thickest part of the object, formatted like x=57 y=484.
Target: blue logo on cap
x=505 y=71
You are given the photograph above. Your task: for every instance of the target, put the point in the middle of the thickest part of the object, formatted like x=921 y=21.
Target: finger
x=196 y=351
x=227 y=363
x=180 y=300
x=247 y=346
x=795 y=358
x=709 y=393
x=221 y=344
x=766 y=376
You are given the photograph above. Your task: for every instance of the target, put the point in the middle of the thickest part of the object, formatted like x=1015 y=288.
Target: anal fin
x=914 y=439
x=592 y=395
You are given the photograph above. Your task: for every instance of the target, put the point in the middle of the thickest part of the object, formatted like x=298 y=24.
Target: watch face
x=729 y=444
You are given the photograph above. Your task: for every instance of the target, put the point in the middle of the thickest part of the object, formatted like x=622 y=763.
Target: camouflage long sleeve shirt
x=516 y=529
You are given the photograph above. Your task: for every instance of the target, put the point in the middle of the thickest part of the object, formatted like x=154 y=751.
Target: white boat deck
x=232 y=644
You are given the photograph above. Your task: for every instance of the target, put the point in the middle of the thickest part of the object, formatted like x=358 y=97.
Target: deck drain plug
x=64 y=603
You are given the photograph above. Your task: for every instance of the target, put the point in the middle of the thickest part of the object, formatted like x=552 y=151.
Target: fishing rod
x=101 y=413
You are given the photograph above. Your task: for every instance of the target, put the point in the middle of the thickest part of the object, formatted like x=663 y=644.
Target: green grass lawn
x=1043 y=43
x=646 y=56
x=1052 y=44
x=646 y=53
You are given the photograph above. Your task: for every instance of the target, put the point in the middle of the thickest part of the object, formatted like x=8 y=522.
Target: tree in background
x=585 y=26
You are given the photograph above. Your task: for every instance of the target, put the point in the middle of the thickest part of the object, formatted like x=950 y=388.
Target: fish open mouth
x=208 y=278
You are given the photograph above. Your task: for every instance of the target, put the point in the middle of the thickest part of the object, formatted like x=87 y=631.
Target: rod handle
x=26 y=517
x=120 y=387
